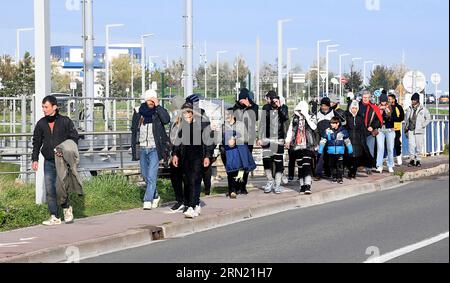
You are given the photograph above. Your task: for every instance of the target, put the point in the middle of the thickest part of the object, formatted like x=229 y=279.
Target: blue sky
x=419 y=27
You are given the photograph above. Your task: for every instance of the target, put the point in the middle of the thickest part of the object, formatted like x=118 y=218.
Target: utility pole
x=189 y=50
x=42 y=76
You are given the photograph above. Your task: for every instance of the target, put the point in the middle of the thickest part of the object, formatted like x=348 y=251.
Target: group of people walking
x=321 y=141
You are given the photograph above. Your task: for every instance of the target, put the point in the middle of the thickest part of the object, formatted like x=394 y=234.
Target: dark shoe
x=317 y=179
x=290 y=179
x=340 y=181
x=207 y=193
x=412 y=163
x=308 y=190
x=334 y=181
x=244 y=192
x=418 y=164
x=177 y=206
x=303 y=190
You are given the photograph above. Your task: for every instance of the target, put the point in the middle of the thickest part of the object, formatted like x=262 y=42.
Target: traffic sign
x=299 y=78
x=436 y=79
x=334 y=81
x=377 y=93
x=344 y=80
x=73 y=85
x=414 y=82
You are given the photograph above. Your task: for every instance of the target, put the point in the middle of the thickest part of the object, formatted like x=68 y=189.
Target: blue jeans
x=50 y=188
x=149 y=171
x=386 y=137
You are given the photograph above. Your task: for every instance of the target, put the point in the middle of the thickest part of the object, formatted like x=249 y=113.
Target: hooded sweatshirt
x=302 y=130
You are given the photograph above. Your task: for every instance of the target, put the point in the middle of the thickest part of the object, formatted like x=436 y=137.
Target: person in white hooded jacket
x=302 y=138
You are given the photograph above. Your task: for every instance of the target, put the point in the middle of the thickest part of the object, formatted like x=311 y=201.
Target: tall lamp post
x=280 y=55
x=218 y=71
x=365 y=68
x=20 y=30
x=289 y=68
x=107 y=76
x=318 y=64
x=340 y=72
x=329 y=50
x=143 y=60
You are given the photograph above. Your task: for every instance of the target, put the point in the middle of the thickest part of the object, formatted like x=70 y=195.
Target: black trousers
x=243 y=184
x=292 y=162
x=336 y=165
x=304 y=159
x=398 y=143
x=322 y=165
x=233 y=185
x=177 y=180
x=206 y=177
x=192 y=176
x=273 y=158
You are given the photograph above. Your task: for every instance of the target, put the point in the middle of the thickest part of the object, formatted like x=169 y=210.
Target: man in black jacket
x=193 y=151
x=51 y=131
x=272 y=135
x=246 y=111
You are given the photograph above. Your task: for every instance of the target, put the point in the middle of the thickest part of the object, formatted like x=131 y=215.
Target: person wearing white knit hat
x=149 y=143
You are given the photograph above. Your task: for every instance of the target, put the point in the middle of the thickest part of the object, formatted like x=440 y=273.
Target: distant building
x=70 y=58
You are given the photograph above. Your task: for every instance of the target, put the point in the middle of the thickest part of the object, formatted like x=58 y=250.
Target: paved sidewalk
x=132 y=228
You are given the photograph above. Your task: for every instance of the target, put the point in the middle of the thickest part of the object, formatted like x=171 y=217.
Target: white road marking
x=28 y=239
x=409 y=249
x=13 y=245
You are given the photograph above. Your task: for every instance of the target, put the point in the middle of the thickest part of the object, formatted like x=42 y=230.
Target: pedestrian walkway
x=40 y=239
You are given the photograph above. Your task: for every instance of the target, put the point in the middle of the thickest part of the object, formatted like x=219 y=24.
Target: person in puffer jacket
x=336 y=138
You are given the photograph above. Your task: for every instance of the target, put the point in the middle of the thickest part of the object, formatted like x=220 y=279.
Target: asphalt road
x=352 y=230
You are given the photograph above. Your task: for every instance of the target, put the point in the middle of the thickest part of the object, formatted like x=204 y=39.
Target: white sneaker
x=285 y=180
x=155 y=203
x=391 y=170
x=399 y=160
x=148 y=206
x=198 y=210
x=52 y=221
x=380 y=169
x=68 y=215
x=190 y=213
x=269 y=186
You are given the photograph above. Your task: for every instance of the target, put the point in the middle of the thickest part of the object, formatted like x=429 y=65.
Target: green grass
x=103 y=194
x=6 y=179
x=440 y=112
x=446 y=149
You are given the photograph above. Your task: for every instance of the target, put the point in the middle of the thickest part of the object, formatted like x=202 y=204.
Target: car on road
x=431 y=99
x=444 y=99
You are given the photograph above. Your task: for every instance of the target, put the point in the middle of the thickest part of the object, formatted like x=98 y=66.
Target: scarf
x=147 y=113
x=376 y=110
x=52 y=119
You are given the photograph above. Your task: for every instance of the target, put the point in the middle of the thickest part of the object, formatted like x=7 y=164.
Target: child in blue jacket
x=336 y=138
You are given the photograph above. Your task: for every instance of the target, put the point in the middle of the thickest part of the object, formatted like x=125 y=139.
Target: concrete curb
x=143 y=236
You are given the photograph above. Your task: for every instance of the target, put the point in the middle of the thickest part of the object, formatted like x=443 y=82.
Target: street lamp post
x=280 y=55
x=107 y=79
x=143 y=61
x=340 y=72
x=365 y=68
x=289 y=67
x=328 y=63
x=258 y=70
x=218 y=70
x=18 y=42
x=318 y=64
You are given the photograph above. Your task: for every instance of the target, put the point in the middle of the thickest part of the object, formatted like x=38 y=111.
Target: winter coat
x=336 y=141
x=358 y=134
x=423 y=119
x=312 y=136
x=162 y=142
x=323 y=121
x=68 y=179
x=272 y=123
x=45 y=141
x=373 y=118
x=249 y=116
